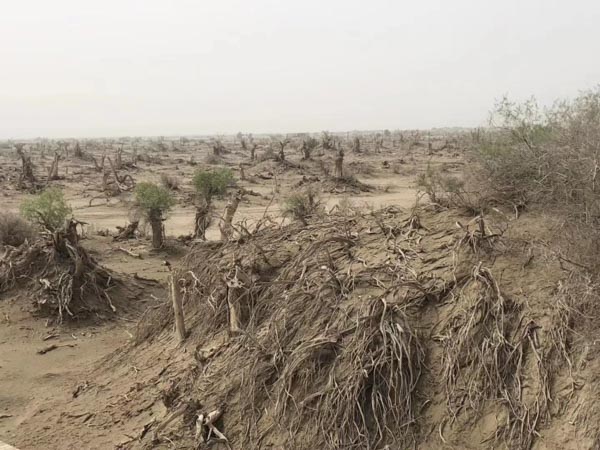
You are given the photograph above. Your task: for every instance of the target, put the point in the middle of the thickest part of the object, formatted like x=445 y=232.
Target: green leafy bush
x=48 y=209
x=153 y=199
x=210 y=183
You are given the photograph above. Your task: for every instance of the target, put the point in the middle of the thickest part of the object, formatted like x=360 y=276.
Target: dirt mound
x=63 y=279
x=401 y=329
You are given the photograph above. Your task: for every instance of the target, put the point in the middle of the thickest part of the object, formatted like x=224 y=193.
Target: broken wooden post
x=234 y=286
x=177 y=308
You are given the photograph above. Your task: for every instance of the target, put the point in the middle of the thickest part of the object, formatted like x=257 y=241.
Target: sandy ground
x=30 y=379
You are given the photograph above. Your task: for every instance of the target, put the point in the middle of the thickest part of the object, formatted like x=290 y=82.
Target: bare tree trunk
x=226 y=223
x=53 y=170
x=356 y=145
x=78 y=153
x=177 y=308
x=253 y=152
x=119 y=159
x=202 y=220
x=99 y=167
x=27 y=167
x=339 y=165
x=157 y=229
x=238 y=311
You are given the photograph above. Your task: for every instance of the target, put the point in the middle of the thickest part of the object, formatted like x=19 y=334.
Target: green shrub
x=152 y=199
x=14 y=230
x=210 y=183
x=48 y=209
x=154 y=202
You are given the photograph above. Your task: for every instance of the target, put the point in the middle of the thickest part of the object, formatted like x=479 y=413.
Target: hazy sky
x=148 y=67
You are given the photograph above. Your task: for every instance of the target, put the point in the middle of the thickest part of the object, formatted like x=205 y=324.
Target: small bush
x=169 y=181
x=447 y=190
x=210 y=183
x=268 y=154
x=153 y=199
x=300 y=206
x=48 y=209
x=213 y=159
x=14 y=230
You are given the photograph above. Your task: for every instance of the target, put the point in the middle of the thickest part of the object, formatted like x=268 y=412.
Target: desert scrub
x=47 y=209
x=14 y=230
x=154 y=202
x=302 y=205
x=545 y=158
x=447 y=190
x=213 y=159
x=170 y=181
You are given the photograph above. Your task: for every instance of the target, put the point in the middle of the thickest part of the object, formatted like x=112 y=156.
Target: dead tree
x=339 y=165
x=226 y=226
x=202 y=219
x=378 y=141
x=282 y=145
x=327 y=141
x=125 y=182
x=77 y=152
x=53 y=169
x=356 y=144
x=99 y=167
x=238 y=283
x=118 y=159
x=308 y=145
x=127 y=232
x=27 y=167
x=109 y=187
x=218 y=148
x=253 y=151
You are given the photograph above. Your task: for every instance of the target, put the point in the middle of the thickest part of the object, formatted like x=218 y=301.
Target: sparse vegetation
x=302 y=205
x=47 y=209
x=542 y=158
x=14 y=230
x=170 y=181
x=210 y=183
x=446 y=189
x=154 y=201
